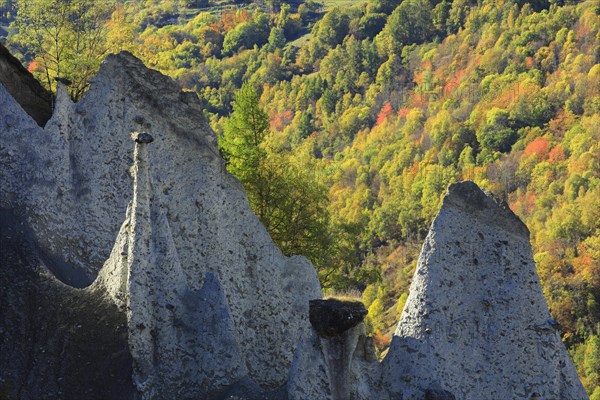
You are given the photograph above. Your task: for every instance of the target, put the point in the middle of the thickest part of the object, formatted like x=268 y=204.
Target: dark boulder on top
x=333 y=317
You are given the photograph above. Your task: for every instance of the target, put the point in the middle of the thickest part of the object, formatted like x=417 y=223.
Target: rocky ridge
x=476 y=323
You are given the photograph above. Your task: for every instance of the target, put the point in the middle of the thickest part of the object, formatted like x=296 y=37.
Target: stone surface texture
x=71 y=182
x=173 y=328
x=56 y=342
x=476 y=322
x=343 y=367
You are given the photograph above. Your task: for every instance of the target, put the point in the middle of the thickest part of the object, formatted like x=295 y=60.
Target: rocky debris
x=73 y=188
x=333 y=317
x=27 y=91
x=474 y=297
x=56 y=342
x=64 y=81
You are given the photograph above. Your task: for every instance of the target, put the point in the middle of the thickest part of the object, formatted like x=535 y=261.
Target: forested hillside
x=352 y=121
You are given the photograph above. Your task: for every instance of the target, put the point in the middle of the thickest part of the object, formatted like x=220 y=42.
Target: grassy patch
x=327 y=4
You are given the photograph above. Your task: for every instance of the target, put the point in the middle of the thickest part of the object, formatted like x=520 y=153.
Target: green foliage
x=276 y=38
x=290 y=202
x=243 y=135
x=496 y=134
x=333 y=27
x=410 y=22
x=66 y=39
x=246 y=35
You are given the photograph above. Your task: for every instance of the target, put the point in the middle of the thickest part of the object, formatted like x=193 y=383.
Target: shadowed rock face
x=26 y=90
x=337 y=361
x=56 y=342
x=476 y=322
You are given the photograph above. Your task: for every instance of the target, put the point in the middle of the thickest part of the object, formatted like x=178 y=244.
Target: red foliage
x=538 y=146
x=557 y=154
x=385 y=112
x=529 y=62
x=281 y=120
x=381 y=341
x=34 y=66
x=450 y=87
x=403 y=112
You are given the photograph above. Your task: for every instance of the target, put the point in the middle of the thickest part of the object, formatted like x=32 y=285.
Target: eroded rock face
x=182 y=339
x=56 y=342
x=27 y=91
x=71 y=182
x=475 y=325
x=337 y=361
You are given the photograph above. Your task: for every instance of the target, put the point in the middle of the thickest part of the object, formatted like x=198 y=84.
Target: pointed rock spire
x=182 y=340
x=475 y=325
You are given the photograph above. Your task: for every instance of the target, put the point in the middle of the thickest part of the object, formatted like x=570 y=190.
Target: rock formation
x=337 y=360
x=174 y=329
x=70 y=182
x=476 y=324
x=56 y=342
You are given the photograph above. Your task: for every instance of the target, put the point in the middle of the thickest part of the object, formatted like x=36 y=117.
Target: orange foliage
x=561 y=123
x=381 y=341
x=582 y=32
x=586 y=267
x=513 y=92
x=415 y=168
x=557 y=154
x=403 y=112
x=34 y=66
x=538 y=146
x=419 y=100
x=385 y=112
x=231 y=18
x=418 y=77
x=450 y=87
x=529 y=62
x=281 y=120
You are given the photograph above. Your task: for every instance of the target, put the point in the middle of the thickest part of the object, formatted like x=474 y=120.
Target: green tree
x=591 y=362
x=496 y=134
x=276 y=38
x=247 y=34
x=243 y=135
x=334 y=26
x=287 y=198
x=410 y=22
x=66 y=37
